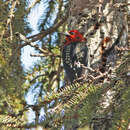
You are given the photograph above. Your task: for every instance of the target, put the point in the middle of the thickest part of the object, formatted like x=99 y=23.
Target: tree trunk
x=104 y=24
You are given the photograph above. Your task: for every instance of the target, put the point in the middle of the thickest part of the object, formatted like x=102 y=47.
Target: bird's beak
x=66 y=34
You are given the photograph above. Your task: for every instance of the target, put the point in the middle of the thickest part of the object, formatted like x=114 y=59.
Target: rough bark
x=105 y=25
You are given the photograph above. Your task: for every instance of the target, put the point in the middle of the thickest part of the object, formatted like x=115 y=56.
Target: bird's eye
x=72 y=33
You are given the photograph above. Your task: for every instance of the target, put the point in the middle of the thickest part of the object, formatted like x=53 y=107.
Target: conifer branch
x=33 y=4
x=42 y=34
x=45 y=52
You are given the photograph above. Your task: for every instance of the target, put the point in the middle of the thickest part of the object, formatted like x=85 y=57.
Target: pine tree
x=101 y=101
x=12 y=77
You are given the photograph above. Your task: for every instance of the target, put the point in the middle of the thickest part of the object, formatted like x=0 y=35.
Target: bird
x=74 y=55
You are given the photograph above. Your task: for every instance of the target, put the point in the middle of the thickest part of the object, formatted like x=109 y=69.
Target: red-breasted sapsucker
x=74 y=55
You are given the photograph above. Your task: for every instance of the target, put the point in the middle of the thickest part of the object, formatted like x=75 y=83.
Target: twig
x=44 y=55
x=32 y=5
x=50 y=30
x=10 y=16
x=38 y=37
x=122 y=48
x=28 y=42
x=37 y=77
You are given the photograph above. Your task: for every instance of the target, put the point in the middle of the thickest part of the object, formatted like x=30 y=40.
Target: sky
x=33 y=17
x=27 y=60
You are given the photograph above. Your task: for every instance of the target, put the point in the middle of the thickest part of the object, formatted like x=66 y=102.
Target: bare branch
x=45 y=52
x=32 y=5
x=50 y=30
x=10 y=16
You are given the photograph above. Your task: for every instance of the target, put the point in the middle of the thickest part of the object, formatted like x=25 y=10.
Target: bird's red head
x=74 y=36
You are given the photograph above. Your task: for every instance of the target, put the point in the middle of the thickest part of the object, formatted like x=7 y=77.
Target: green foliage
x=64 y=104
x=81 y=102
x=12 y=16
